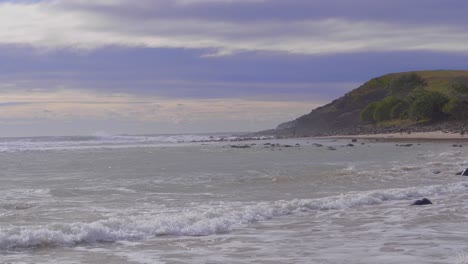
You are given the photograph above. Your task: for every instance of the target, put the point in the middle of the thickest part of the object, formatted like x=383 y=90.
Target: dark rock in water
x=298 y=145
x=317 y=145
x=331 y=148
x=436 y=172
x=423 y=201
x=463 y=172
x=241 y=146
x=287 y=146
x=354 y=140
x=406 y=145
x=350 y=145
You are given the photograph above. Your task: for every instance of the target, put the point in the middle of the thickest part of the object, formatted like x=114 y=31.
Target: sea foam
x=107 y=141
x=202 y=221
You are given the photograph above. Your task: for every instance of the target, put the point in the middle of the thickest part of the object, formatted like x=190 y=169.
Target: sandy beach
x=435 y=135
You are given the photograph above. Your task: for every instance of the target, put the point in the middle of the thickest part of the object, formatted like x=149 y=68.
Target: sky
x=85 y=67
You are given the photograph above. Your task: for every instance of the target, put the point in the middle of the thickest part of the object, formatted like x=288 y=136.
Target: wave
x=107 y=141
x=203 y=221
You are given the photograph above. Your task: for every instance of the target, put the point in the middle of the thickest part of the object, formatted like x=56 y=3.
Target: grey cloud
x=401 y=11
x=86 y=25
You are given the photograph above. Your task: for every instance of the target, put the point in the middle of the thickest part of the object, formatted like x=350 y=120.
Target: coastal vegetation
x=410 y=98
x=410 y=101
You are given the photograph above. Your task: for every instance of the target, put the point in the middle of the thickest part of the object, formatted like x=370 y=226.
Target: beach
x=196 y=199
x=426 y=136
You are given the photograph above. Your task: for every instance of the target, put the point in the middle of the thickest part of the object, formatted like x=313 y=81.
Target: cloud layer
x=84 y=25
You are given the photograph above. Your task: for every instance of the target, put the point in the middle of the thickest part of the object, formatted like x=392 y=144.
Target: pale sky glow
x=68 y=104
x=181 y=66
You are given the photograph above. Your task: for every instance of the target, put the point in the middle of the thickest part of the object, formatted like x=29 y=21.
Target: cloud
x=60 y=24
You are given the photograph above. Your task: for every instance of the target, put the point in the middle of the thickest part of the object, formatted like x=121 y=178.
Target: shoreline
x=415 y=136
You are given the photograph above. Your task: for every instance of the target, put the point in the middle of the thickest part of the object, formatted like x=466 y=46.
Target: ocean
x=196 y=199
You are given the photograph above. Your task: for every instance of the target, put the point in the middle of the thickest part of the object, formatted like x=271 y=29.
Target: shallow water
x=151 y=200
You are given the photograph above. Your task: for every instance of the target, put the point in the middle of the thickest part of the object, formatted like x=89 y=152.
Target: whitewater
x=196 y=199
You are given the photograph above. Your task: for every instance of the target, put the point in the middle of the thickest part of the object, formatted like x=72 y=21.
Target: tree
x=399 y=110
x=383 y=109
x=367 y=115
x=426 y=105
x=456 y=109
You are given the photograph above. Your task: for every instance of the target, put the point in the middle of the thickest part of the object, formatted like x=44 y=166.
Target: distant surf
x=111 y=141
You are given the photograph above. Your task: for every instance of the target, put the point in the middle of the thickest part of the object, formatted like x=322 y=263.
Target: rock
x=463 y=172
x=297 y=145
x=436 y=172
x=240 y=146
x=406 y=145
x=350 y=145
x=331 y=148
x=423 y=201
x=354 y=140
x=317 y=145
x=287 y=146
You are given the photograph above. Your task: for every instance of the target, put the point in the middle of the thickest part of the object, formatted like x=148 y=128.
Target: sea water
x=195 y=199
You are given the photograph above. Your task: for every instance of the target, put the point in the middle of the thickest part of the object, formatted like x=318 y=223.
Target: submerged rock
x=436 y=172
x=331 y=148
x=423 y=201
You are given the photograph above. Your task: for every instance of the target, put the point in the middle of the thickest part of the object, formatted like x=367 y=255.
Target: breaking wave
x=203 y=221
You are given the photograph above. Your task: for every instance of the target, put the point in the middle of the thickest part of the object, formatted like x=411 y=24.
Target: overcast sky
x=181 y=66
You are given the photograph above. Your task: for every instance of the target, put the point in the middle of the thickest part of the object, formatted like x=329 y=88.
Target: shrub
x=426 y=105
x=367 y=115
x=399 y=110
x=456 y=109
x=383 y=109
x=404 y=84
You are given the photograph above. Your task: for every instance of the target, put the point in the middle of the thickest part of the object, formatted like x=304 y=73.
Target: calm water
x=180 y=199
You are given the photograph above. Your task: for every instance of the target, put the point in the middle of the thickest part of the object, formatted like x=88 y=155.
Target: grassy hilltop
x=397 y=102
